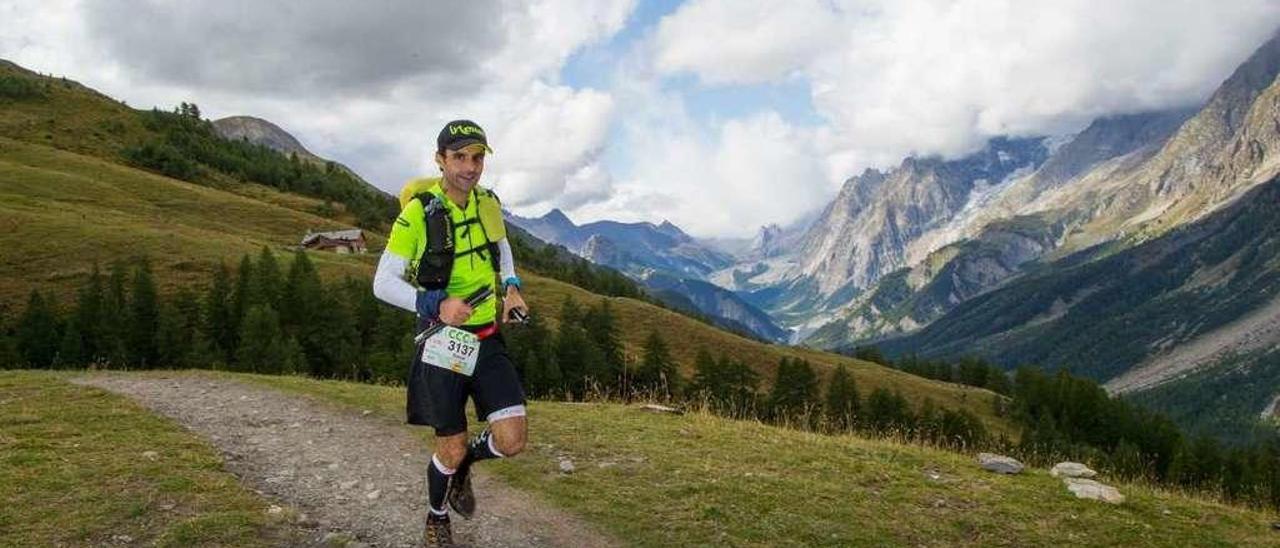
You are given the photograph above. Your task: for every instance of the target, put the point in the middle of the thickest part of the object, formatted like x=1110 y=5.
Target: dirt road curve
x=348 y=473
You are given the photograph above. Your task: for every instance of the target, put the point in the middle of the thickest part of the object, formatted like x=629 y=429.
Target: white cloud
x=743 y=41
x=548 y=149
x=727 y=180
x=543 y=34
x=366 y=87
x=942 y=76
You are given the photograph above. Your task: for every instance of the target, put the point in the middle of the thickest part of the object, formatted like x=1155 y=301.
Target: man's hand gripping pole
x=473 y=301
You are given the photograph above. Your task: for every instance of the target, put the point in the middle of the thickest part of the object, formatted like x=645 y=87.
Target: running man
x=449 y=243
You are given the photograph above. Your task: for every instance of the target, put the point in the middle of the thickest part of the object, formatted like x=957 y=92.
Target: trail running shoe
x=438 y=531
x=461 y=498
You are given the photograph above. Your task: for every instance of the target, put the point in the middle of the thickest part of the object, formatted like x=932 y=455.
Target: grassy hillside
x=697 y=480
x=66 y=115
x=73 y=473
x=61 y=212
x=687 y=336
x=63 y=114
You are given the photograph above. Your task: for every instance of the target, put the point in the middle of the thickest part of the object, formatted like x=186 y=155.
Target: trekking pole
x=473 y=301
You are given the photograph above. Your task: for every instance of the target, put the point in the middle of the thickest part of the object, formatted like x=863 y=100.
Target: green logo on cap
x=465 y=130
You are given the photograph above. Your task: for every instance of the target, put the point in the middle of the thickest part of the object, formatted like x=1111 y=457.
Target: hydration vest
x=436 y=265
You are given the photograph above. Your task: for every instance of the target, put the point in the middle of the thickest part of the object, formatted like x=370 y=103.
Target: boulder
x=999 y=464
x=1089 y=489
x=1071 y=470
x=566 y=466
x=655 y=408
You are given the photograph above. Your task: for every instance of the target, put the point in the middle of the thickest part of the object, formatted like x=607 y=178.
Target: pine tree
x=575 y=353
x=302 y=315
x=960 y=429
x=71 y=349
x=193 y=347
x=1127 y=462
x=180 y=333
x=887 y=411
x=295 y=360
x=218 y=322
x=927 y=427
x=602 y=329
x=261 y=349
x=112 y=332
x=570 y=312
x=38 y=332
x=88 y=316
x=270 y=283
x=728 y=384
x=998 y=381
x=742 y=382
x=367 y=310
x=169 y=351
x=144 y=318
x=243 y=297
x=795 y=389
x=581 y=362
x=657 y=372
x=533 y=349
x=707 y=377
x=843 y=406
x=390 y=345
x=202 y=354
x=10 y=357
x=1199 y=464
x=337 y=341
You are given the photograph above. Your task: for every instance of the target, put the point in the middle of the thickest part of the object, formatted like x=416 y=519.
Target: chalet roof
x=341 y=235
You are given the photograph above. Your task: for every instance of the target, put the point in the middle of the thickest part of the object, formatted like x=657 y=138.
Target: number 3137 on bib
x=452 y=349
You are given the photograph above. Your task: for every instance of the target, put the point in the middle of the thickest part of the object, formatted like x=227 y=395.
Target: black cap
x=459 y=134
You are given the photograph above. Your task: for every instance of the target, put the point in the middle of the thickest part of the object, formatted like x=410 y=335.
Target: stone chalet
x=338 y=241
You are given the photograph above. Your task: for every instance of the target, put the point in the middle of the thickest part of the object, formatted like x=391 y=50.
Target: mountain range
x=671 y=264
x=1139 y=251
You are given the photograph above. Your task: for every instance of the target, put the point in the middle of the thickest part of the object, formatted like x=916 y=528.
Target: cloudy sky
x=719 y=115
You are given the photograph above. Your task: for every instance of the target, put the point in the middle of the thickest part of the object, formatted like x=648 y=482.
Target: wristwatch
x=512 y=281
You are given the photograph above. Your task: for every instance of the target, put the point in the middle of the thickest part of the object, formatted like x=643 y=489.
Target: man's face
x=462 y=167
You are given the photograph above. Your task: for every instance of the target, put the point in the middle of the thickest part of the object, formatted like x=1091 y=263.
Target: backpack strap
x=436 y=264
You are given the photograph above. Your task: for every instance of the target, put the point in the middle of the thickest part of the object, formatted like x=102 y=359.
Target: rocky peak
x=267 y=134
x=765 y=243
x=1109 y=137
x=557 y=217
x=672 y=230
x=1229 y=146
x=1249 y=79
x=260 y=132
x=865 y=232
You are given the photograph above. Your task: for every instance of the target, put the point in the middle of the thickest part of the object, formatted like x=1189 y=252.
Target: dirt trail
x=348 y=473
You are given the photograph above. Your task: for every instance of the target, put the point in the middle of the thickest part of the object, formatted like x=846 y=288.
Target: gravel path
x=345 y=473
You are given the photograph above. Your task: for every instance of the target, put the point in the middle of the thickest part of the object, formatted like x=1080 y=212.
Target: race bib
x=452 y=349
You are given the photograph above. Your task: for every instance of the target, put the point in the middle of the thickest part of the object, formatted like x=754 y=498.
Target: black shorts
x=438 y=396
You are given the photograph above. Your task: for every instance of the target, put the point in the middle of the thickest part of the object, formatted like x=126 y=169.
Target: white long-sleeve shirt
x=390 y=285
